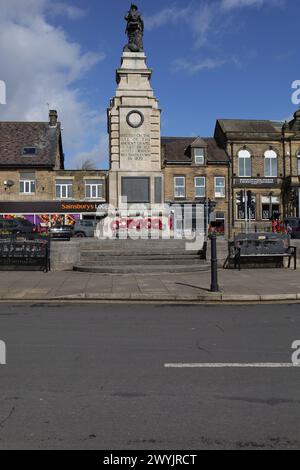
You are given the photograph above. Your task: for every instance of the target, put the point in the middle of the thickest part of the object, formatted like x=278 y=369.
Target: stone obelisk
x=134 y=126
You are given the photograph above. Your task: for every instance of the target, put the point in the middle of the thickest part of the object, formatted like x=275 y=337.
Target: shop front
x=257 y=202
x=46 y=214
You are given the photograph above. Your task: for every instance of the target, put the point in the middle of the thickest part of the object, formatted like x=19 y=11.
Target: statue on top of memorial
x=134 y=30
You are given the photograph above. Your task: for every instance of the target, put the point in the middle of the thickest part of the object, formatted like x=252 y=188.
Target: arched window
x=271 y=164
x=298 y=160
x=244 y=163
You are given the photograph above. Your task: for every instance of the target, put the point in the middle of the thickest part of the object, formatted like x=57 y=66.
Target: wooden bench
x=260 y=246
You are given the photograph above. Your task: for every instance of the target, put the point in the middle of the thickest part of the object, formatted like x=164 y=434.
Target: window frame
x=29 y=154
x=244 y=158
x=99 y=189
x=180 y=186
x=270 y=160
x=273 y=201
x=199 y=156
x=65 y=185
x=223 y=196
x=200 y=186
x=27 y=182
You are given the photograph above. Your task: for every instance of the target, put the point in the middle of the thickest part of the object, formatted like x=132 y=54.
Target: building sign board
x=39 y=207
x=256 y=182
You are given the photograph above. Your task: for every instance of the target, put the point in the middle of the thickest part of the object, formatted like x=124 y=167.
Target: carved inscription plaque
x=135 y=148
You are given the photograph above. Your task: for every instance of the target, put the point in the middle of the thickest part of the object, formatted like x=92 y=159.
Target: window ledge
x=94 y=199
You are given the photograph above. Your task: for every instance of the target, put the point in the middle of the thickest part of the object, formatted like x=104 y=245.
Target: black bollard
x=214 y=264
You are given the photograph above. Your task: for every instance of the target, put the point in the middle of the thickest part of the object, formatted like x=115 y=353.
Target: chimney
x=53 y=118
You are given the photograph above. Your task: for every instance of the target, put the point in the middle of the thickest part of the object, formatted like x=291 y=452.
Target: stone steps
x=88 y=243
x=137 y=262
x=139 y=269
x=138 y=256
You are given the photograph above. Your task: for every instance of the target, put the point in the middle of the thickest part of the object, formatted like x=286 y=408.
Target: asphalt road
x=93 y=377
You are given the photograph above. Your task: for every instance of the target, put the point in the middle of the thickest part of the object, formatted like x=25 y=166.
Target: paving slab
x=246 y=285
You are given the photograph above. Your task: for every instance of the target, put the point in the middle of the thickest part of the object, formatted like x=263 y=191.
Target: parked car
x=293 y=226
x=61 y=232
x=84 y=228
x=17 y=226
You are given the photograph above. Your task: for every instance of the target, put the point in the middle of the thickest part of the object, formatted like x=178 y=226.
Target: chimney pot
x=53 y=118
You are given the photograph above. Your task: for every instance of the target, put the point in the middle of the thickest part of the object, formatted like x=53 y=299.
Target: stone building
x=264 y=160
x=196 y=172
x=33 y=181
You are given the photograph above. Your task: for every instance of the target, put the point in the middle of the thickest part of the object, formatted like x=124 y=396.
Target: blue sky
x=210 y=59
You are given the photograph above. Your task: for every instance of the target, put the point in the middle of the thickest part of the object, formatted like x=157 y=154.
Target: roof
x=14 y=136
x=178 y=149
x=249 y=126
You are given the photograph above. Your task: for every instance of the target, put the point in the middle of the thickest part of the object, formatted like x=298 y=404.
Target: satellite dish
x=9 y=183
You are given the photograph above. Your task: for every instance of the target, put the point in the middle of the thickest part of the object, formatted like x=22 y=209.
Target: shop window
x=27 y=183
x=200 y=186
x=94 y=189
x=64 y=189
x=218 y=224
x=244 y=158
x=179 y=186
x=219 y=186
x=270 y=207
x=270 y=164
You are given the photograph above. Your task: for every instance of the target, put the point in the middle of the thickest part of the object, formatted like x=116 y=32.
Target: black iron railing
x=26 y=250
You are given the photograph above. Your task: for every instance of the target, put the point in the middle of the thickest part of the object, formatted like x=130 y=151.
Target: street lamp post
x=214 y=263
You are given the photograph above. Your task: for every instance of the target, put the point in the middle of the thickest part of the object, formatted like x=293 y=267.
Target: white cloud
x=97 y=155
x=198 y=20
x=207 y=19
x=230 y=4
x=41 y=65
x=73 y=12
x=201 y=23
x=192 y=67
x=172 y=15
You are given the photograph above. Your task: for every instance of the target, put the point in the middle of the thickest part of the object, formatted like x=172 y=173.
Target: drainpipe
x=228 y=203
x=284 y=166
x=232 y=190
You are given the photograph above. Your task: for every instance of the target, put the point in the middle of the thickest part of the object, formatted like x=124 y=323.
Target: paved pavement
x=94 y=377
x=247 y=285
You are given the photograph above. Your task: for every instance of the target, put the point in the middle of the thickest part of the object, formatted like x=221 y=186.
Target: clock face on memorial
x=135 y=119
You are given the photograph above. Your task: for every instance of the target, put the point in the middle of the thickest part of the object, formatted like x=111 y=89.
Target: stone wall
x=45 y=184
x=190 y=172
x=64 y=255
